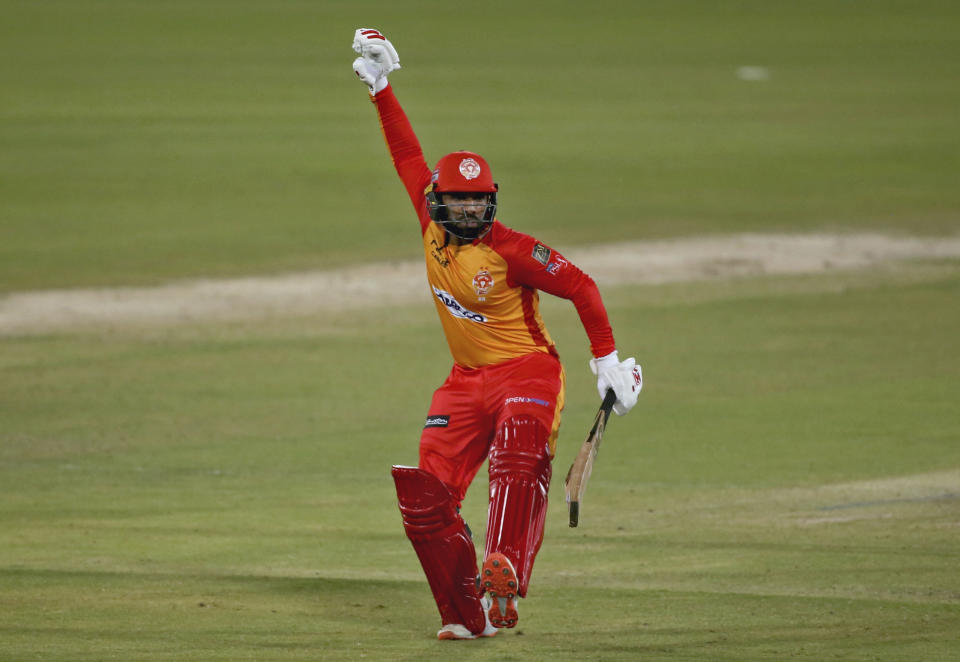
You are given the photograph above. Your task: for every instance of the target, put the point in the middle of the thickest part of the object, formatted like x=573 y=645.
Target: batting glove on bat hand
x=625 y=378
x=377 y=58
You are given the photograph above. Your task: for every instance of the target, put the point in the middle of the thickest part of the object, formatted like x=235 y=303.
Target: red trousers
x=469 y=407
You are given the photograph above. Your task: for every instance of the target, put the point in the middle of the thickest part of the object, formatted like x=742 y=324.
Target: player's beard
x=468 y=233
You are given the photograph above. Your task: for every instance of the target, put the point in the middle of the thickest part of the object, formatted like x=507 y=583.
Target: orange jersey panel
x=486 y=318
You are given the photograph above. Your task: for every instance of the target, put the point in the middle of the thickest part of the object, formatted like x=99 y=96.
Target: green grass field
x=788 y=486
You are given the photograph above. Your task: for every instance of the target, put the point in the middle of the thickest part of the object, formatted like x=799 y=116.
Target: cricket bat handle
x=608 y=401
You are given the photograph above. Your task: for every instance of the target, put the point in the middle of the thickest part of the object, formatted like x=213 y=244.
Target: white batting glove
x=377 y=58
x=625 y=378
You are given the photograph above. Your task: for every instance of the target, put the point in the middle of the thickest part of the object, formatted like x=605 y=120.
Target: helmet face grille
x=449 y=216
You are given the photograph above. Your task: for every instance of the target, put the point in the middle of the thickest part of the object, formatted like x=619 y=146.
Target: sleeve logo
x=541 y=254
x=558 y=263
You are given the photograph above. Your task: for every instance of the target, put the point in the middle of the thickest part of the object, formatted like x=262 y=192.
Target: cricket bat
x=579 y=474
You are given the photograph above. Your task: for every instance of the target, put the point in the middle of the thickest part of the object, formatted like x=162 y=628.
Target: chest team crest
x=482 y=283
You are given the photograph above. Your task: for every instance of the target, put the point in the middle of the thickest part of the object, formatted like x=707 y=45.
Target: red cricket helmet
x=463 y=172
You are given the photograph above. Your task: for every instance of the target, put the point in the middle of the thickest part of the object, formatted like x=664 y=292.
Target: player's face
x=466 y=210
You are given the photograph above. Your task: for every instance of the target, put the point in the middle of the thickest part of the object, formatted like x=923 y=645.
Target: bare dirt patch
x=398 y=283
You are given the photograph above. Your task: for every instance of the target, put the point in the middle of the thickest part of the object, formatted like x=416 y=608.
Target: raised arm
x=378 y=58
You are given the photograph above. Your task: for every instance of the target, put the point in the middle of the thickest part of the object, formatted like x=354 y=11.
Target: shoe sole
x=451 y=636
x=499 y=580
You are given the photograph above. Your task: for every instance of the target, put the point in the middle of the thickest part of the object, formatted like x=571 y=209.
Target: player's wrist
x=603 y=363
x=379 y=85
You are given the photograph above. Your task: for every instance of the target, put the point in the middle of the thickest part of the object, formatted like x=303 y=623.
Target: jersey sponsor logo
x=437 y=421
x=470 y=169
x=541 y=254
x=554 y=267
x=455 y=308
x=482 y=283
x=519 y=399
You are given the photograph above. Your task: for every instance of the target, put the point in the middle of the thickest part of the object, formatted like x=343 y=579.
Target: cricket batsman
x=503 y=397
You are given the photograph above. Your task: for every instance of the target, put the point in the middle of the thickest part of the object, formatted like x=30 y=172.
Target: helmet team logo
x=470 y=169
x=482 y=283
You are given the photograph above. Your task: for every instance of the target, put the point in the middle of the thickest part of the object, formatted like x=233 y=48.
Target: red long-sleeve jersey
x=486 y=291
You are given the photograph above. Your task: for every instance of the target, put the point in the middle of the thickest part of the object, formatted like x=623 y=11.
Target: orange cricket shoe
x=499 y=580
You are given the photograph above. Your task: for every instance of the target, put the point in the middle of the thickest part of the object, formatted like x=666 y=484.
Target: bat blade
x=582 y=467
